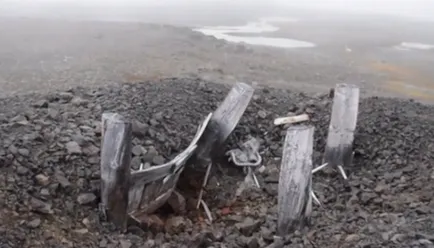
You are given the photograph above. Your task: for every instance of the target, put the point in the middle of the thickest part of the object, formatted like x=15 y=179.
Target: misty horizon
x=147 y=10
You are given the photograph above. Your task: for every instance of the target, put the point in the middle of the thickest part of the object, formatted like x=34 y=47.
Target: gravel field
x=58 y=77
x=49 y=170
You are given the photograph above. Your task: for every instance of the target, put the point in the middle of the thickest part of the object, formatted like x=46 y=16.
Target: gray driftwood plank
x=115 y=167
x=295 y=180
x=225 y=119
x=339 y=147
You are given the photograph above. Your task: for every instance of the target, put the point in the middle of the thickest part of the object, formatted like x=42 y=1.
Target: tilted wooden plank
x=295 y=180
x=115 y=167
x=229 y=113
x=339 y=147
x=225 y=119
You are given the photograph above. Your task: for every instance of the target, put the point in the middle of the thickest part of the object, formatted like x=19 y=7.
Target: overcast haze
x=136 y=9
x=347 y=47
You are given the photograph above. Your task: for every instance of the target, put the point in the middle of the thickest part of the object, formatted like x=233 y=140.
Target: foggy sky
x=405 y=8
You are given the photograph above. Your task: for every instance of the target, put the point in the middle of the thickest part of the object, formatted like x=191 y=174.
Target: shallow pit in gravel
x=49 y=170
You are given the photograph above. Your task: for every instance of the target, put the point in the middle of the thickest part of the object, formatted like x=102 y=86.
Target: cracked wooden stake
x=339 y=147
x=115 y=167
x=295 y=180
x=205 y=181
x=223 y=122
x=291 y=119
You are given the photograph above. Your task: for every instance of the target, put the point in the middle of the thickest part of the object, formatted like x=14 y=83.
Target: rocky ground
x=49 y=170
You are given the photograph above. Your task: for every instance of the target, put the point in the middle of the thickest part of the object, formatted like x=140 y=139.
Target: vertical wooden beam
x=295 y=180
x=224 y=120
x=339 y=147
x=115 y=167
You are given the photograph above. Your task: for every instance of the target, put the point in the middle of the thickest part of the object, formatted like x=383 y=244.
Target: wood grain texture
x=343 y=123
x=224 y=120
x=115 y=167
x=295 y=180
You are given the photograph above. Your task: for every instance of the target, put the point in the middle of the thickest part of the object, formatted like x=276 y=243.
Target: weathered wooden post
x=339 y=147
x=224 y=120
x=115 y=167
x=295 y=180
x=222 y=123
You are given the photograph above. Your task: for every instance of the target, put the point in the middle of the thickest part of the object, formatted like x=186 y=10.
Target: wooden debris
x=224 y=120
x=115 y=167
x=207 y=211
x=342 y=171
x=204 y=183
x=255 y=179
x=295 y=180
x=222 y=123
x=315 y=198
x=339 y=147
x=152 y=187
x=319 y=168
x=149 y=188
x=291 y=119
